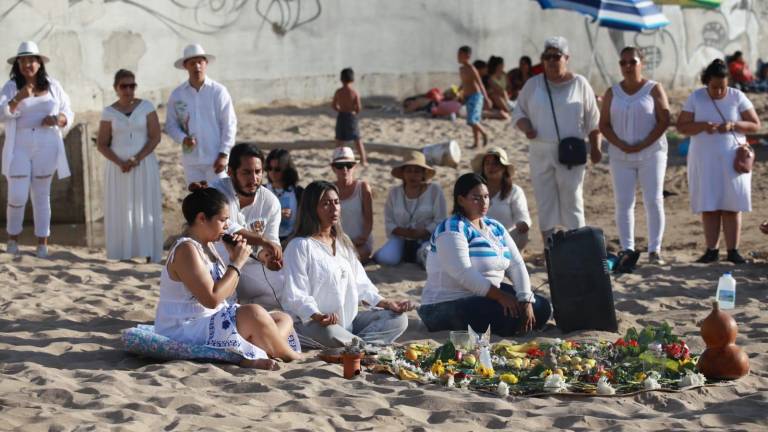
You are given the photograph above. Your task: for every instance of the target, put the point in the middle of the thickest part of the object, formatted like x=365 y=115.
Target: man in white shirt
x=254 y=213
x=201 y=118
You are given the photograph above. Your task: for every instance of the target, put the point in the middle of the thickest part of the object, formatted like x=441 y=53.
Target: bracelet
x=233 y=267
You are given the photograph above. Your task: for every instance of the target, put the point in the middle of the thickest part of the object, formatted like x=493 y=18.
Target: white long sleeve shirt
x=425 y=212
x=511 y=210
x=463 y=261
x=317 y=281
x=207 y=114
x=262 y=216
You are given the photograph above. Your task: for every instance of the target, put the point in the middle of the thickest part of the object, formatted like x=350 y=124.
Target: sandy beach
x=62 y=366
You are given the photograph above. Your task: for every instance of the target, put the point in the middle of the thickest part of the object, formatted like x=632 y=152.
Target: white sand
x=62 y=367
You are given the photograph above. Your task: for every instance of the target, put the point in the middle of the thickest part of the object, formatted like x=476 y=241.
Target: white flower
x=691 y=379
x=463 y=383
x=387 y=354
x=498 y=361
x=604 y=388
x=428 y=377
x=651 y=383
x=502 y=389
x=555 y=383
x=450 y=382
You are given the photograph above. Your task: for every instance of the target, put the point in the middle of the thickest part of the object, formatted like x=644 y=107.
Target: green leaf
x=444 y=353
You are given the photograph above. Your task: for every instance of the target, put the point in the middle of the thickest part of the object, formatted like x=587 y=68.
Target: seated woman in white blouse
x=411 y=213
x=325 y=282
x=508 y=204
x=468 y=258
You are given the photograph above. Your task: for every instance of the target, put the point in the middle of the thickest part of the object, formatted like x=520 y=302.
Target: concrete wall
x=293 y=49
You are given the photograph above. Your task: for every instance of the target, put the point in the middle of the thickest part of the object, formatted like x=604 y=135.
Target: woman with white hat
x=356 y=202
x=411 y=213
x=508 y=203
x=35 y=109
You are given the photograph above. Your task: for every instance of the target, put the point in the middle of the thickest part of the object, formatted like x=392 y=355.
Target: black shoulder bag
x=571 y=150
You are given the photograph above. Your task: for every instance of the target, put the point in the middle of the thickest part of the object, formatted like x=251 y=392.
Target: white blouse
x=426 y=211
x=511 y=210
x=317 y=281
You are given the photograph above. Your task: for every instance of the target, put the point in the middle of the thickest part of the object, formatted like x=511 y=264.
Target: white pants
x=393 y=250
x=650 y=171
x=33 y=163
x=557 y=189
x=200 y=172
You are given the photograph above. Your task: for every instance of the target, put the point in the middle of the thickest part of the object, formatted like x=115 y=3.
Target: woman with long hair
x=196 y=291
x=36 y=110
x=283 y=178
x=325 y=282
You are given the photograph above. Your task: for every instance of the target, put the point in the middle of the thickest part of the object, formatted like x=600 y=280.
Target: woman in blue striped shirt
x=469 y=255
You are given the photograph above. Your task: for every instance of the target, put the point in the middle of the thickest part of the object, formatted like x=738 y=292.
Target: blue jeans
x=480 y=312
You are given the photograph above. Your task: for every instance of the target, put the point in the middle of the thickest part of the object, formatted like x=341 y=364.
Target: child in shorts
x=346 y=101
x=475 y=96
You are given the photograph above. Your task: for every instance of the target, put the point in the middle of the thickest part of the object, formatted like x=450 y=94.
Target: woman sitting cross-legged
x=325 y=282
x=469 y=256
x=196 y=288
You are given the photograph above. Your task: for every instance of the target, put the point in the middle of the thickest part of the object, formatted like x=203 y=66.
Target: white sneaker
x=42 y=251
x=12 y=247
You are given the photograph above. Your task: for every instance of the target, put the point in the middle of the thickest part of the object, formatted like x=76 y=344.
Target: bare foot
x=264 y=364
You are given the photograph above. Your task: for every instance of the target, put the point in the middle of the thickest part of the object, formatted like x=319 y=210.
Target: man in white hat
x=201 y=118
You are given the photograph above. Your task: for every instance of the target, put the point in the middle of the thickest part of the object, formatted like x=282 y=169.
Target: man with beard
x=255 y=215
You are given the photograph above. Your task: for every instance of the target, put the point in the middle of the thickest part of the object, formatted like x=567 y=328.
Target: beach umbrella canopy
x=702 y=4
x=632 y=15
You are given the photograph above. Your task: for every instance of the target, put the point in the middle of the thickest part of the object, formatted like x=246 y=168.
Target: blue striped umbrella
x=632 y=15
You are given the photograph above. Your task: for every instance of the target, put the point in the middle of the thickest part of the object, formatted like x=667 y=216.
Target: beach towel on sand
x=142 y=340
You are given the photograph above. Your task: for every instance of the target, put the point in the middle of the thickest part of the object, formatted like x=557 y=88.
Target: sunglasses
x=632 y=62
x=131 y=86
x=343 y=165
x=274 y=169
x=555 y=57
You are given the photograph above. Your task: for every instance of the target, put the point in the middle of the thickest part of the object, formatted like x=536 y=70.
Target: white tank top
x=34 y=109
x=633 y=117
x=352 y=213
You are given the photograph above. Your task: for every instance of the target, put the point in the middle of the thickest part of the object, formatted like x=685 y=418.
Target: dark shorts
x=346 y=127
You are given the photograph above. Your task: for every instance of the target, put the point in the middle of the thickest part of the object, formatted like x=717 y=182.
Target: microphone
x=228 y=239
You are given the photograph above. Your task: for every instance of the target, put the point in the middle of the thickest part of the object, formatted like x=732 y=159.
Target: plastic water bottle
x=726 y=291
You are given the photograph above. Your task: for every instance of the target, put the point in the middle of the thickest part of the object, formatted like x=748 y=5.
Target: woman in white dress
x=196 y=291
x=508 y=203
x=634 y=118
x=411 y=213
x=356 y=202
x=35 y=110
x=128 y=134
x=717 y=118
x=325 y=282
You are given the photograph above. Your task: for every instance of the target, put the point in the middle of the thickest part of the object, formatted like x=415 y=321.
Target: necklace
x=411 y=213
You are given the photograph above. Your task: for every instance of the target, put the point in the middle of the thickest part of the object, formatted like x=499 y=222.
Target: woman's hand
x=125 y=165
x=528 y=320
x=595 y=155
x=325 y=319
x=268 y=259
x=25 y=92
x=396 y=306
x=726 y=127
x=522 y=227
x=239 y=251
x=508 y=304
x=710 y=128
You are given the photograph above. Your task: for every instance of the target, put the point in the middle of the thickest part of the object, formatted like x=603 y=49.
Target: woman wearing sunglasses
x=128 y=134
x=634 y=118
x=283 y=176
x=356 y=202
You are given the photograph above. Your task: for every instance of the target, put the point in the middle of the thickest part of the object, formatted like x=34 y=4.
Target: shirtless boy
x=475 y=96
x=346 y=101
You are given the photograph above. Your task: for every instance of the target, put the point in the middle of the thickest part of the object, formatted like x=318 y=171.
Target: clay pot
x=722 y=359
x=351 y=363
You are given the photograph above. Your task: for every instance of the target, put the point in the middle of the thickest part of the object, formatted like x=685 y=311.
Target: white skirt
x=713 y=184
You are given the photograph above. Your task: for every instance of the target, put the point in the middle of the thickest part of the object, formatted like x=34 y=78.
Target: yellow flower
x=546 y=373
x=590 y=363
x=438 y=369
x=485 y=372
x=566 y=345
x=509 y=378
x=640 y=376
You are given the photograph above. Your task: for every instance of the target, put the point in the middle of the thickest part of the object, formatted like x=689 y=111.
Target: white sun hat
x=27 y=49
x=193 y=50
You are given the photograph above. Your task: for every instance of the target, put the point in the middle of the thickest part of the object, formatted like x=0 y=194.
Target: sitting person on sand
x=468 y=258
x=508 y=204
x=283 y=178
x=497 y=88
x=518 y=76
x=325 y=282
x=411 y=213
x=356 y=202
x=195 y=288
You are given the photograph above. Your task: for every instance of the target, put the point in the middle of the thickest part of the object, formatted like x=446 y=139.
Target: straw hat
x=477 y=162
x=27 y=49
x=343 y=154
x=193 y=50
x=415 y=159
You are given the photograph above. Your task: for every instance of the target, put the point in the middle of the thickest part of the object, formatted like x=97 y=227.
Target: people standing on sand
x=201 y=118
x=346 y=102
x=129 y=132
x=412 y=211
x=196 y=289
x=283 y=179
x=36 y=111
x=634 y=119
x=325 y=282
x=497 y=88
x=356 y=202
x=557 y=187
x=717 y=118
x=254 y=215
x=469 y=256
x=508 y=203
x=475 y=96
